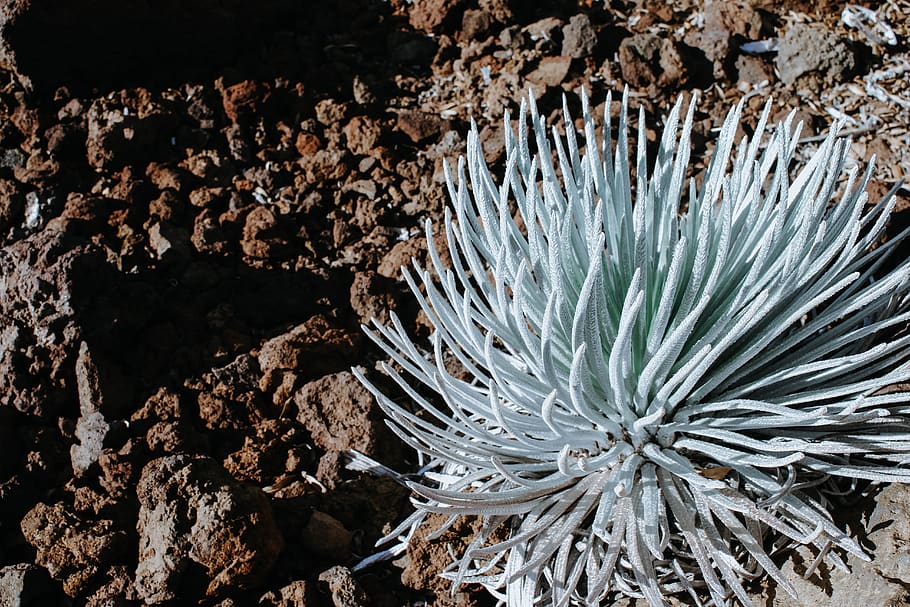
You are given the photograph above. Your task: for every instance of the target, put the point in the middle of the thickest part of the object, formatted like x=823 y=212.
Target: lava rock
x=832 y=587
x=340 y=414
x=312 y=349
x=431 y=15
x=578 y=37
x=475 y=25
x=551 y=71
x=73 y=550
x=242 y=101
x=326 y=538
x=373 y=296
x=192 y=511
x=344 y=589
x=753 y=70
x=813 y=56
x=890 y=525
x=418 y=125
x=362 y=134
x=117 y=137
x=12 y=204
x=738 y=17
x=265 y=454
x=715 y=44
x=26 y=585
x=45 y=276
x=649 y=60
x=298 y=593
x=168 y=241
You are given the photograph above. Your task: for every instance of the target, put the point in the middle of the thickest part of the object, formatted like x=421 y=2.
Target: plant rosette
x=652 y=400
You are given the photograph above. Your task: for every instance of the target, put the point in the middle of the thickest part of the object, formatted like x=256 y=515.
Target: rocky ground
x=201 y=202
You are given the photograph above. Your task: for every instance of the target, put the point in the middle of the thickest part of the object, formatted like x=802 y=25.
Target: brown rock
x=175 y=436
x=753 y=70
x=71 y=549
x=191 y=510
x=232 y=399
x=425 y=559
x=373 y=296
x=475 y=25
x=312 y=349
x=578 y=37
x=45 y=276
x=165 y=176
x=120 y=468
x=261 y=237
x=298 y=593
x=208 y=236
x=362 y=134
x=326 y=538
x=715 y=44
x=209 y=166
x=345 y=590
x=339 y=413
x=431 y=15
x=738 y=17
x=169 y=241
x=551 y=71
x=264 y=454
x=544 y=34
x=400 y=255
x=117 y=137
x=116 y=591
x=260 y=222
x=328 y=164
x=418 y=125
x=12 y=204
x=649 y=60
x=65 y=141
x=307 y=144
x=243 y=99
x=330 y=112
x=167 y=207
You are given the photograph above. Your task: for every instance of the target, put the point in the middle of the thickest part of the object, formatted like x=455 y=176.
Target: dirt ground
x=201 y=202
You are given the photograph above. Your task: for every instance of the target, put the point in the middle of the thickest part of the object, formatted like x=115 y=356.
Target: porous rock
x=298 y=593
x=431 y=15
x=345 y=590
x=373 y=296
x=73 y=550
x=26 y=585
x=91 y=427
x=832 y=587
x=312 y=349
x=649 y=60
x=192 y=511
x=889 y=527
x=814 y=56
x=418 y=125
x=578 y=37
x=339 y=413
x=117 y=136
x=43 y=278
x=739 y=17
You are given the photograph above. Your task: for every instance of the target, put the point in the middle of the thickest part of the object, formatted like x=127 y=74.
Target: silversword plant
x=658 y=383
